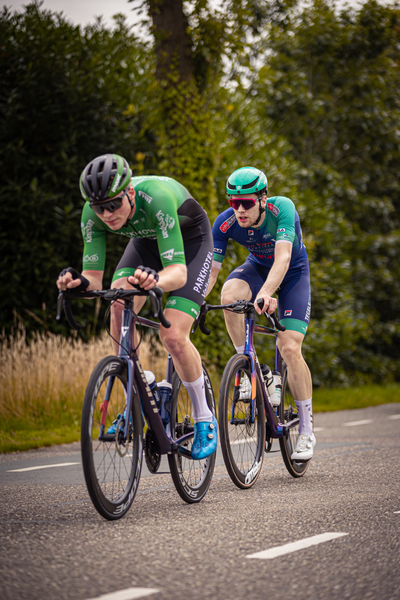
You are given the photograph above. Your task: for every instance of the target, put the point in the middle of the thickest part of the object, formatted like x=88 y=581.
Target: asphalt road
x=55 y=546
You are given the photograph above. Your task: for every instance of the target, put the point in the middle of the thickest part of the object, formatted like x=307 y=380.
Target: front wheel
x=242 y=434
x=288 y=412
x=191 y=478
x=111 y=464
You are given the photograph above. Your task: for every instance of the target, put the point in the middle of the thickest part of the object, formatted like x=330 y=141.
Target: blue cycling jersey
x=281 y=223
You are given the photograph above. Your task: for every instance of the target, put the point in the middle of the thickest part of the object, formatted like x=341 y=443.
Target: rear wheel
x=111 y=464
x=288 y=412
x=242 y=438
x=191 y=478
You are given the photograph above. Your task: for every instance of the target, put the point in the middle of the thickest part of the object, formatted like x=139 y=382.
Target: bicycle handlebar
x=241 y=306
x=65 y=297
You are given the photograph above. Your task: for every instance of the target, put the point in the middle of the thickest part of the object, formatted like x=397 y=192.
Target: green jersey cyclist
x=170 y=244
x=269 y=228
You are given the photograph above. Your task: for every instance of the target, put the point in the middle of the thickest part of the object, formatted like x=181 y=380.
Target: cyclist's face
x=117 y=219
x=246 y=218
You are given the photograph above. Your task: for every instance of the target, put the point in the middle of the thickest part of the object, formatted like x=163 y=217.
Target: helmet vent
x=247 y=186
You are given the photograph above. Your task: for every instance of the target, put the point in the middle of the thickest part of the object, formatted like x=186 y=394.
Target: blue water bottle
x=165 y=391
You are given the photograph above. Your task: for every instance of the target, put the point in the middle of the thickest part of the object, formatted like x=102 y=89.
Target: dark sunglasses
x=110 y=205
x=247 y=203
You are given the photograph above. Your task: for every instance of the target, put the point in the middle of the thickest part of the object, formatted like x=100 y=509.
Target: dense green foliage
x=308 y=94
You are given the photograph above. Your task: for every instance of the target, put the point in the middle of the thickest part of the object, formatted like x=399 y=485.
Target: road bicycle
x=248 y=425
x=112 y=461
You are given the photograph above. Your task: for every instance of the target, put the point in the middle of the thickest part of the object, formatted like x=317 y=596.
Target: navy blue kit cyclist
x=269 y=228
x=170 y=245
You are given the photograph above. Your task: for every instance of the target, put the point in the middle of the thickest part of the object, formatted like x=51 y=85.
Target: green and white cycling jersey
x=165 y=211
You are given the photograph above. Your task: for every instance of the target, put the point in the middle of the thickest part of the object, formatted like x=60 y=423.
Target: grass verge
x=26 y=434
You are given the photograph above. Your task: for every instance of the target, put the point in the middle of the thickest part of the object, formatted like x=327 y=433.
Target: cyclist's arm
x=283 y=253
x=213 y=278
x=95 y=278
x=171 y=278
x=67 y=281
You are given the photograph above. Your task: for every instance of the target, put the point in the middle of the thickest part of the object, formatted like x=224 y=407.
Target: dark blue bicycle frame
x=136 y=375
x=276 y=429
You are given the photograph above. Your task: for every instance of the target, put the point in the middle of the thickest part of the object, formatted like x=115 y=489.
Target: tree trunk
x=173 y=43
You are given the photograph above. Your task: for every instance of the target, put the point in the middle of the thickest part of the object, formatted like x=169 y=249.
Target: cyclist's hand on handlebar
x=144 y=277
x=270 y=303
x=70 y=279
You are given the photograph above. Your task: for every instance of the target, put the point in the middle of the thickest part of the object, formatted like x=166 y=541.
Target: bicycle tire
x=287 y=443
x=243 y=442
x=191 y=478
x=111 y=468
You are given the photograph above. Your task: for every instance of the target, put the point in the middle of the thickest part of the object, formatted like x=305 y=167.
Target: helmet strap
x=262 y=210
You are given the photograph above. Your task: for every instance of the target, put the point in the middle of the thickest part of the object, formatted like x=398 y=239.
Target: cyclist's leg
x=243 y=283
x=181 y=309
x=294 y=313
x=137 y=252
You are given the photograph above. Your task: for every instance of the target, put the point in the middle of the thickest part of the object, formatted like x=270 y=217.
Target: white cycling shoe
x=304 y=449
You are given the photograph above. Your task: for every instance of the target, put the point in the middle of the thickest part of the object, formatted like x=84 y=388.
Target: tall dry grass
x=49 y=374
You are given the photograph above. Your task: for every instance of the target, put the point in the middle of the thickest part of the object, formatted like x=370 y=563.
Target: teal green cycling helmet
x=104 y=177
x=246 y=180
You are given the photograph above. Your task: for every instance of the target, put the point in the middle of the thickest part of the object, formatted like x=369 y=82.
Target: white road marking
x=319 y=428
x=394 y=417
x=355 y=423
x=128 y=594
x=396 y=512
x=42 y=467
x=295 y=546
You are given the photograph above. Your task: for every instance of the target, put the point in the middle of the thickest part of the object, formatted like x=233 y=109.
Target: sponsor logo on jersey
x=204 y=276
x=218 y=250
x=238 y=270
x=171 y=302
x=91 y=258
x=274 y=209
x=228 y=223
x=287 y=313
x=115 y=183
x=281 y=230
x=87 y=230
x=145 y=196
x=165 y=222
x=168 y=254
x=250 y=232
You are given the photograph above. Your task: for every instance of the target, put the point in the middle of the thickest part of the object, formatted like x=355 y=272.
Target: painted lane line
x=396 y=512
x=295 y=546
x=42 y=467
x=394 y=417
x=128 y=594
x=355 y=423
x=319 y=428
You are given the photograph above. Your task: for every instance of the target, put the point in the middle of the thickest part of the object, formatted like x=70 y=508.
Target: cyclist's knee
x=235 y=289
x=174 y=342
x=290 y=347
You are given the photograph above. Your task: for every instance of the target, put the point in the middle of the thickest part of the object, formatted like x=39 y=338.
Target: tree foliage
x=308 y=93
x=66 y=96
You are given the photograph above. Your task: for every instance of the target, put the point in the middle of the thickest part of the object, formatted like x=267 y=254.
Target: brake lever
x=271 y=318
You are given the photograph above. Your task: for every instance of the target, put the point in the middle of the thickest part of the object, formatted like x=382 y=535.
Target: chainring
x=151 y=454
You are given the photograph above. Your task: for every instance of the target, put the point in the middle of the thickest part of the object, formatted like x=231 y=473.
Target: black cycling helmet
x=104 y=177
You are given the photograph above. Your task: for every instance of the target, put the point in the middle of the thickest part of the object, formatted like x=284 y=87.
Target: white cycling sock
x=197 y=393
x=239 y=349
x=305 y=415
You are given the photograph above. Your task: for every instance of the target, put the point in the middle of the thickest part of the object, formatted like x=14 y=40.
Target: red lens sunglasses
x=247 y=203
